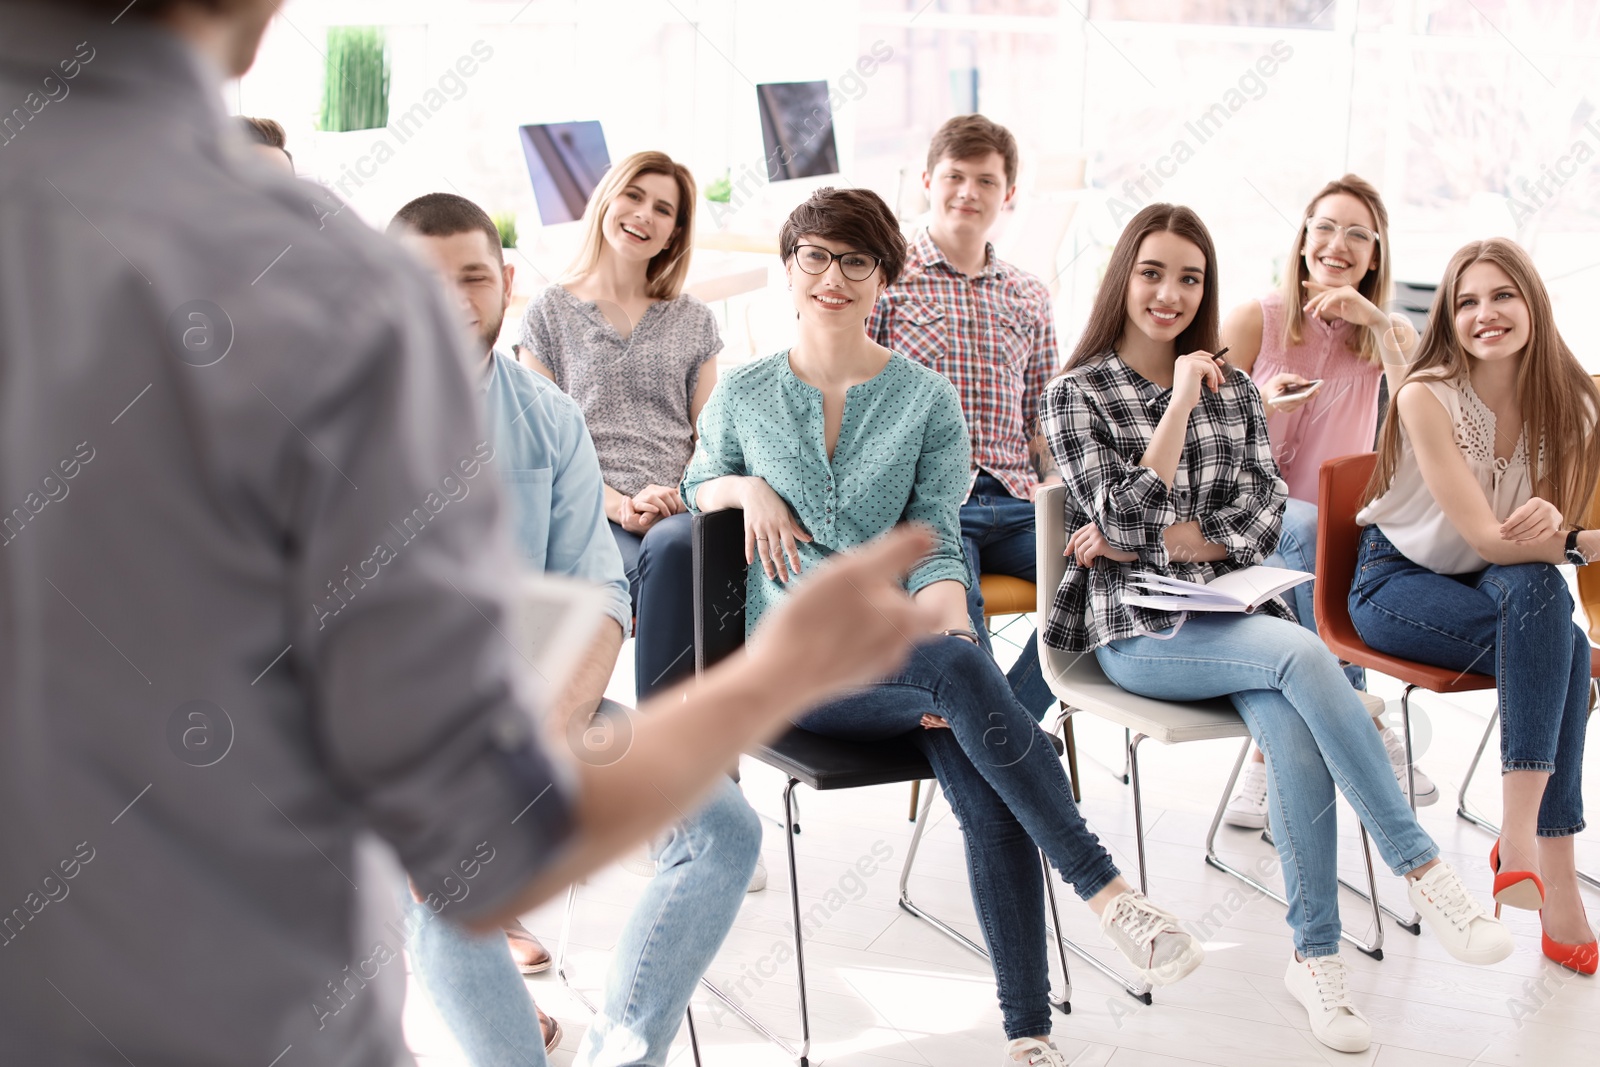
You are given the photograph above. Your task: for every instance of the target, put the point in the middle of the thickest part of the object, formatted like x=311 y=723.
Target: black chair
x=822 y=763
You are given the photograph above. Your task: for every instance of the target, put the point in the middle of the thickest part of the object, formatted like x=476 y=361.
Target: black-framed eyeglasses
x=1359 y=236
x=814 y=259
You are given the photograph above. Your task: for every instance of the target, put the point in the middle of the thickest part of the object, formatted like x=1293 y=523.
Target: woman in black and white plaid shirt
x=1169 y=469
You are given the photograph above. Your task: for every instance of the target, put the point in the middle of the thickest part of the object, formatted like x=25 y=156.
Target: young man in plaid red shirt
x=989 y=328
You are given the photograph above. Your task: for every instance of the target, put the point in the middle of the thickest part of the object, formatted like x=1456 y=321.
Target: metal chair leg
x=561 y=951
x=1412 y=924
x=801 y=1054
x=799 y=940
x=916 y=791
x=1063 y=1003
x=694 y=1038
x=561 y=972
x=1472 y=768
x=1375 y=949
x=1071 y=744
x=1481 y=821
x=1140 y=991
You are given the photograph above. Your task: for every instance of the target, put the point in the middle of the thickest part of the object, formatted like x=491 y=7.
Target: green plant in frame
x=720 y=191
x=355 y=95
x=506 y=223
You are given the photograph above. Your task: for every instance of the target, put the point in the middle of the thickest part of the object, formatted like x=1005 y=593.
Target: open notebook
x=1243 y=590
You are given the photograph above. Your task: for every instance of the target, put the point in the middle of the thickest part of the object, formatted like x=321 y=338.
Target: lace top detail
x=1475 y=436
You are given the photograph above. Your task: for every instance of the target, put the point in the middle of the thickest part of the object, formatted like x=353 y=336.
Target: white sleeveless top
x=1409 y=515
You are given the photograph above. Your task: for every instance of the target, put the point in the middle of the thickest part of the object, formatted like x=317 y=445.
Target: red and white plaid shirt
x=993 y=335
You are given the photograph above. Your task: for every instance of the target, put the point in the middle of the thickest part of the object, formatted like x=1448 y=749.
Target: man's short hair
x=445 y=215
x=972 y=136
x=264 y=132
x=857 y=218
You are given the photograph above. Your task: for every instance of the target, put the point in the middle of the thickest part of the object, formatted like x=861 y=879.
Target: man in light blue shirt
x=547 y=466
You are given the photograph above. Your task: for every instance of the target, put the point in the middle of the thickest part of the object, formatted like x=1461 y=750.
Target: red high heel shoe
x=1516 y=889
x=1584 y=959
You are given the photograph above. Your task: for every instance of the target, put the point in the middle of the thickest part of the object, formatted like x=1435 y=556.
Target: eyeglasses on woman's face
x=1326 y=230
x=814 y=259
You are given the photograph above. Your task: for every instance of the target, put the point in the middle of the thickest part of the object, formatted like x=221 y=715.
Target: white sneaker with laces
x=1151 y=938
x=1320 y=985
x=758 y=879
x=1031 y=1052
x=1248 y=808
x=1395 y=745
x=1461 y=924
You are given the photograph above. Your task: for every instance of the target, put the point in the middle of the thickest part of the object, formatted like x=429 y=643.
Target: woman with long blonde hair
x=1486 y=465
x=1321 y=325
x=620 y=336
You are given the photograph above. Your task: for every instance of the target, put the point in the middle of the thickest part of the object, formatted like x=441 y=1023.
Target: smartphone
x=1297 y=393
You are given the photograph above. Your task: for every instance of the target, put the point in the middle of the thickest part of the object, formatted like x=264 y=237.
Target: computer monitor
x=565 y=161
x=797 y=130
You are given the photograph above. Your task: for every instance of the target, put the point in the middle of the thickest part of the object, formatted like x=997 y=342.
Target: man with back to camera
x=989 y=328
x=256 y=653
x=547 y=465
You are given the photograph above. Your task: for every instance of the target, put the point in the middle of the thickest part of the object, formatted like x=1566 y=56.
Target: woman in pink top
x=1323 y=326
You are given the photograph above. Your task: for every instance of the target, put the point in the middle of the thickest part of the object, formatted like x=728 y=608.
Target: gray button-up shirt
x=252 y=588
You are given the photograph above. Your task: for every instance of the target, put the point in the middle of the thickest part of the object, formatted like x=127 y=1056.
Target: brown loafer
x=551 y=1031
x=530 y=956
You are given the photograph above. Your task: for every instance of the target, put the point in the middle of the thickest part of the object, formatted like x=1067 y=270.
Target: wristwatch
x=1575 y=554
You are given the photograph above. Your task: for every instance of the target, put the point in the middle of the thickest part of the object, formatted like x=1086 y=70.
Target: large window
x=1473 y=119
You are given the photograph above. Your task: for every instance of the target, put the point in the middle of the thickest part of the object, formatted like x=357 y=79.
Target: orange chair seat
x=1005 y=595
x=1338 y=541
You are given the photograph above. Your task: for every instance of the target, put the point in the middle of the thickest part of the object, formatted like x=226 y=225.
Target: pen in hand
x=1223 y=364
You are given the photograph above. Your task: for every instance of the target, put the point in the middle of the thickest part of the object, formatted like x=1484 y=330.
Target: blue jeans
x=660 y=568
x=704 y=866
x=1009 y=793
x=997 y=535
x=1315 y=733
x=1297 y=550
x=474 y=983
x=1512 y=622
x=702 y=872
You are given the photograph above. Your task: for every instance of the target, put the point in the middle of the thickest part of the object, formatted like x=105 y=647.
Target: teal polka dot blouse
x=902 y=456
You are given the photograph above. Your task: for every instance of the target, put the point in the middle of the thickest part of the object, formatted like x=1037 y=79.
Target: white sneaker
x=1151 y=938
x=1320 y=985
x=1031 y=1052
x=1395 y=745
x=640 y=861
x=1454 y=915
x=758 y=878
x=1374 y=705
x=1248 y=808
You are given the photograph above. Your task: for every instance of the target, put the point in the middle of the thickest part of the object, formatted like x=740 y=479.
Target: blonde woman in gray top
x=619 y=335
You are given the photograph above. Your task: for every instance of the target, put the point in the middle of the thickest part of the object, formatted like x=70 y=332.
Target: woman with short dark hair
x=828 y=445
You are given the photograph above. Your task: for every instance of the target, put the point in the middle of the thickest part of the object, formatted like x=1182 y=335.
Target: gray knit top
x=634 y=393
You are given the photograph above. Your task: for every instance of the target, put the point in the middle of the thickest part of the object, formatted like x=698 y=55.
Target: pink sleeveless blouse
x=1343 y=415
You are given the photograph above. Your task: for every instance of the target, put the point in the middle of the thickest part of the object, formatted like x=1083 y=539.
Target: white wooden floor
x=887 y=989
